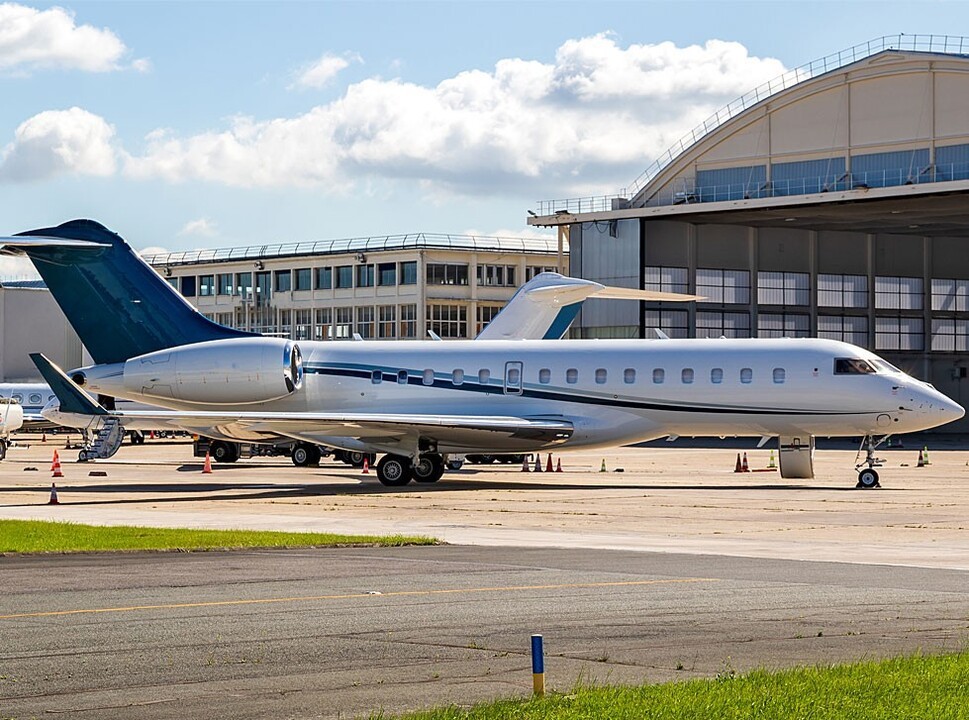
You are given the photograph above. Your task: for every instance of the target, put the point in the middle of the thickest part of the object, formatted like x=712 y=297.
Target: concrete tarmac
x=674 y=568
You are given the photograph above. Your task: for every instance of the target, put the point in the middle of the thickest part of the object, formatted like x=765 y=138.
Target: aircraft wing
x=390 y=430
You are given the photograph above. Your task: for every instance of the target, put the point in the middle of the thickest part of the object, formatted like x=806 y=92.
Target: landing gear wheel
x=3 y=449
x=451 y=464
x=868 y=479
x=223 y=452
x=394 y=470
x=428 y=468
x=355 y=458
x=304 y=454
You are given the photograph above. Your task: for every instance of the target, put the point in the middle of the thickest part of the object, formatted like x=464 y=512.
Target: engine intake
x=235 y=371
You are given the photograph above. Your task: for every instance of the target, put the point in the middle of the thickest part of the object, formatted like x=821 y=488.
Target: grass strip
x=931 y=687
x=41 y=536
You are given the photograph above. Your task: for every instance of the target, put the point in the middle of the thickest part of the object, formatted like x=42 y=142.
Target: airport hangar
x=831 y=202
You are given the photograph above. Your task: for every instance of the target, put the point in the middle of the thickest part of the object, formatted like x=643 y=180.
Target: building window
x=408 y=321
x=846 y=328
x=303 y=279
x=387 y=316
x=448 y=321
x=387 y=274
x=686 y=375
x=848 y=291
x=324 y=324
x=173 y=281
x=344 y=277
x=304 y=324
x=365 y=276
x=898 y=293
x=572 y=376
x=775 y=325
x=408 y=273
x=898 y=333
x=674 y=323
x=716 y=376
x=225 y=284
x=723 y=286
x=188 y=286
x=717 y=324
x=244 y=284
x=666 y=279
x=485 y=314
x=746 y=376
x=365 y=321
x=286 y=323
x=264 y=286
x=342 y=328
x=447 y=274
x=950 y=295
x=545 y=376
x=324 y=278
x=533 y=270
x=950 y=335
x=496 y=275
x=629 y=376
x=783 y=288
x=206 y=285
x=284 y=280
x=601 y=376
x=659 y=376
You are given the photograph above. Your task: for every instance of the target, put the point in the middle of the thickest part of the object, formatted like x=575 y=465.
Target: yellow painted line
x=352 y=596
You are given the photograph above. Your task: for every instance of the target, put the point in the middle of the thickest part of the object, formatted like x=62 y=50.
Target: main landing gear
x=868 y=478
x=398 y=470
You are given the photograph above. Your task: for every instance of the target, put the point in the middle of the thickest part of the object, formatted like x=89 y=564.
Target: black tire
x=355 y=458
x=868 y=479
x=3 y=449
x=315 y=454
x=223 y=452
x=394 y=470
x=137 y=437
x=429 y=468
x=455 y=464
x=301 y=455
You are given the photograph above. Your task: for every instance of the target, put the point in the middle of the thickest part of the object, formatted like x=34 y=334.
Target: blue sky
x=185 y=125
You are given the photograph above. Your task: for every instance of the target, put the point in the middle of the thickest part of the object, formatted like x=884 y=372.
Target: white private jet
x=416 y=401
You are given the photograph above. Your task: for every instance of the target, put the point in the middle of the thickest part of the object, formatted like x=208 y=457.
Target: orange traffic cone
x=745 y=467
x=548 y=465
x=151 y=434
x=43 y=437
x=921 y=460
x=538 y=462
x=525 y=464
x=207 y=467
x=55 y=466
x=53 y=495
x=558 y=468
x=366 y=465
x=740 y=467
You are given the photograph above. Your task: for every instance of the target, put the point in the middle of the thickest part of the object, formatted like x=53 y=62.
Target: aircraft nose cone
x=952 y=409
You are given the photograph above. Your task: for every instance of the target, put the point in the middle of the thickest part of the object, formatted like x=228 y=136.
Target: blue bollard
x=538 y=665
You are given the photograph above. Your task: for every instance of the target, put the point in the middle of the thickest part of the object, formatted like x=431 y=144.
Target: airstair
x=107 y=441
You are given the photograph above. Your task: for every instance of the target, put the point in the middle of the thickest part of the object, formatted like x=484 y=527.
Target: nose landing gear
x=868 y=478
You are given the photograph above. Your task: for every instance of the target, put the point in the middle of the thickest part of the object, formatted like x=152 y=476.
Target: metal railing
x=945 y=44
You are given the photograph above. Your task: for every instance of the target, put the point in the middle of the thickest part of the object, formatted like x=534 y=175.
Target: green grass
x=929 y=687
x=38 y=536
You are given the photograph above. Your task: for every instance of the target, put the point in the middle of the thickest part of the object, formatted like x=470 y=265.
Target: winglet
x=72 y=398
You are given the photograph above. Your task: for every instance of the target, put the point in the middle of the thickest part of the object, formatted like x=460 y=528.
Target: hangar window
x=950 y=295
x=484 y=376
x=808 y=176
x=457 y=377
x=736 y=183
x=723 y=286
x=716 y=376
x=666 y=279
x=601 y=376
x=401 y=377
x=846 y=328
x=687 y=376
x=952 y=162
x=898 y=293
x=659 y=375
x=545 y=376
x=746 y=376
x=629 y=376
x=950 y=335
x=852 y=366
x=780 y=375
x=428 y=377
x=777 y=325
x=571 y=376
x=722 y=324
x=783 y=288
x=324 y=278
x=898 y=333
x=674 y=323
x=376 y=377
x=848 y=291
x=899 y=167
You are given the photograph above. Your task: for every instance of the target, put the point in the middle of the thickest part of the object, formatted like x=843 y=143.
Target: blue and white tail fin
x=545 y=306
x=118 y=305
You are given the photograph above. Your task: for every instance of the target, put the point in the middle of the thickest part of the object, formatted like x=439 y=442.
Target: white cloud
x=33 y=39
x=319 y=73
x=153 y=250
x=55 y=142
x=202 y=227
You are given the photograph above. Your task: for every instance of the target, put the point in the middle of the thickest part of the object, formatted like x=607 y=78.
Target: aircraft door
x=513 y=378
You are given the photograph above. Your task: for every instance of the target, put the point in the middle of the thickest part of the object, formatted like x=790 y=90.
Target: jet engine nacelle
x=235 y=371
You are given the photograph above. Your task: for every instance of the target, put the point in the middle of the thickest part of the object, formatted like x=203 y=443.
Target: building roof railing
x=942 y=44
x=416 y=241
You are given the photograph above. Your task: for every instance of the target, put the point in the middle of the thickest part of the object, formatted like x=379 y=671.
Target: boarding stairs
x=107 y=441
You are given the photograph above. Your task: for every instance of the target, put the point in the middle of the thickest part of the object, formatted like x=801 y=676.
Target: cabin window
x=457 y=377
x=484 y=376
x=601 y=376
x=852 y=366
x=629 y=376
x=687 y=375
x=401 y=377
x=659 y=375
x=514 y=378
x=376 y=377
x=571 y=376
x=545 y=376
x=779 y=375
x=716 y=376
x=746 y=375
x=19 y=398
x=34 y=398
x=428 y=377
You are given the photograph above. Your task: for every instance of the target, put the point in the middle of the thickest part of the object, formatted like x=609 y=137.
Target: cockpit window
x=852 y=366
x=885 y=366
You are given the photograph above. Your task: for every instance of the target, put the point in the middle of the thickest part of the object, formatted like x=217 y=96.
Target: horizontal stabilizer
x=72 y=398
